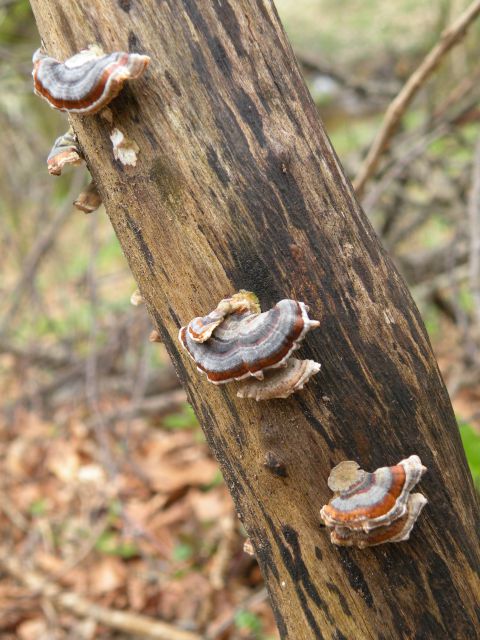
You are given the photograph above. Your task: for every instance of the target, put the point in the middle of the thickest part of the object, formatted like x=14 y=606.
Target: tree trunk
x=237 y=186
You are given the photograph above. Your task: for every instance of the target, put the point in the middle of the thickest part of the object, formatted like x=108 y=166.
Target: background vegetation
x=106 y=485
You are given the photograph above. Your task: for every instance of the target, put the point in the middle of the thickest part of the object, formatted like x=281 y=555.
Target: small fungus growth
x=89 y=199
x=136 y=298
x=124 y=150
x=155 y=336
x=201 y=329
x=373 y=508
x=65 y=151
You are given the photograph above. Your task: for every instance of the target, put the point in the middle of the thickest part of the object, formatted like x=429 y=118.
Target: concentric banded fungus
x=88 y=81
x=246 y=342
x=280 y=383
x=372 y=508
x=65 y=150
x=397 y=531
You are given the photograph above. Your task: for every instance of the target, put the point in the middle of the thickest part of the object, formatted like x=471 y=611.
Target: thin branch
x=91 y=368
x=131 y=623
x=139 y=388
x=227 y=547
x=72 y=374
x=416 y=143
x=38 y=252
x=458 y=93
x=422 y=266
x=147 y=407
x=449 y=38
x=4 y=4
x=54 y=356
x=443 y=281
x=474 y=219
x=13 y=514
x=363 y=89
x=396 y=170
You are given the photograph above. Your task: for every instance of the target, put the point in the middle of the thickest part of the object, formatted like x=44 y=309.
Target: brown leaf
x=35 y=629
x=107 y=575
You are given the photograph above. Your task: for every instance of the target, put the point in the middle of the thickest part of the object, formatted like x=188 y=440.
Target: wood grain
x=237 y=186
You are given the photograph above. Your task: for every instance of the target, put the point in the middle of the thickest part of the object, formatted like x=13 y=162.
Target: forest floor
x=135 y=518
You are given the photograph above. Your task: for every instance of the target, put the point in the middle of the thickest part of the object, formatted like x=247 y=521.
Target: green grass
x=471 y=443
x=182 y=552
x=109 y=543
x=38 y=508
x=183 y=419
x=248 y=621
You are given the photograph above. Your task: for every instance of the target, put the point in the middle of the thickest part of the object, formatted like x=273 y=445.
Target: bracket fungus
x=65 y=151
x=373 y=508
x=237 y=341
x=86 y=82
x=280 y=383
x=154 y=336
x=89 y=199
x=136 y=298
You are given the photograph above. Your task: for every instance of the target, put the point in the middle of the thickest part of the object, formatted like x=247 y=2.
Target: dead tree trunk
x=237 y=186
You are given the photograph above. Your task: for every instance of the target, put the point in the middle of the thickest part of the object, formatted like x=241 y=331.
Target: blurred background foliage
x=105 y=481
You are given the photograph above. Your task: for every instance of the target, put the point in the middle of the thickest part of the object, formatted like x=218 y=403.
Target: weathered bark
x=237 y=186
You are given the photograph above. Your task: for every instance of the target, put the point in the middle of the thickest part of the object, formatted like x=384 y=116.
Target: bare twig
x=73 y=374
x=39 y=250
x=474 y=218
x=226 y=548
x=139 y=387
x=397 y=169
x=131 y=623
x=449 y=38
x=13 y=514
x=416 y=143
x=4 y=4
x=147 y=407
x=256 y=598
x=423 y=266
x=443 y=281
x=54 y=356
x=363 y=89
x=91 y=369
x=458 y=93
x=159 y=381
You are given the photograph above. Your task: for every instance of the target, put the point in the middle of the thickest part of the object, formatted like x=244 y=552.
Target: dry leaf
x=35 y=629
x=107 y=575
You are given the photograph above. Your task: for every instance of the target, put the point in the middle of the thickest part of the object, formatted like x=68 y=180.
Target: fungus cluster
x=236 y=341
x=373 y=508
x=85 y=84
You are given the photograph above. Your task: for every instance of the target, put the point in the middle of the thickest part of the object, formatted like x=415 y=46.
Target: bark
x=237 y=186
